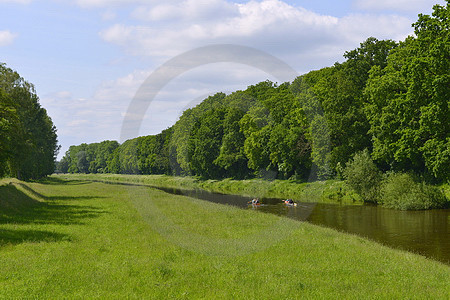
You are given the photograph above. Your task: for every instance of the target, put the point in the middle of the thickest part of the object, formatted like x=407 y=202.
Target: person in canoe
x=290 y=202
x=255 y=201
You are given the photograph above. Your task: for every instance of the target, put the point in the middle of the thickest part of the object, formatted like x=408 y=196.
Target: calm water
x=422 y=232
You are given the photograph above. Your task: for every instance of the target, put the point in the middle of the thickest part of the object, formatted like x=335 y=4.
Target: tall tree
x=8 y=124
x=409 y=101
x=205 y=142
x=27 y=130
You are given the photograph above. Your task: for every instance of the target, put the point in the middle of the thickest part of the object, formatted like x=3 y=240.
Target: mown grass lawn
x=78 y=239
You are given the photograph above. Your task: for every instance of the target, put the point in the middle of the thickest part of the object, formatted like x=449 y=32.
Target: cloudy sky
x=88 y=58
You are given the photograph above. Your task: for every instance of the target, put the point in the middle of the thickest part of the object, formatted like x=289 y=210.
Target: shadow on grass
x=16 y=207
x=52 y=198
x=58 y=181
x=15 y=237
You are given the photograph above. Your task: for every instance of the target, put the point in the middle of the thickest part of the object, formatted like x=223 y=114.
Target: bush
x=403 y=191
x=363 y=176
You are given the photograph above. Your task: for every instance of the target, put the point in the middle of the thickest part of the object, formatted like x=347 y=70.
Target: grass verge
x=80 y=239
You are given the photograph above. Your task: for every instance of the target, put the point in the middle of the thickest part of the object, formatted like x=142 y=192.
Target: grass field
x=80 y=239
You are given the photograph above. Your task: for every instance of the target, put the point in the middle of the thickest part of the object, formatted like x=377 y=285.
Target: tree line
x=28 y=140
x=387 y=97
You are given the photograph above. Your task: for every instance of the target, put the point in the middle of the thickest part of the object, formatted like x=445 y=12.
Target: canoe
x=289 y=203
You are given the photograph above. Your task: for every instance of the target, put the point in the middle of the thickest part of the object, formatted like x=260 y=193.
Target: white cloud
x=186 y=10
x=120 y=91
x=302 y=38
x=397 y=5
x=356 y=27
x=258 y=24
x=6 y=37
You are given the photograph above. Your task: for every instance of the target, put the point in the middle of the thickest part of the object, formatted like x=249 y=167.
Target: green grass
x=330 y=191
x=81 y=239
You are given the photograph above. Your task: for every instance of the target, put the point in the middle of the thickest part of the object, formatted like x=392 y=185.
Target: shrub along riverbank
x=80 y=239
x=405 y=191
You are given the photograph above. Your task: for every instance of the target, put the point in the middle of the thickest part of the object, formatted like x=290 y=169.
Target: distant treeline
x=28 y=141
x=390 y=98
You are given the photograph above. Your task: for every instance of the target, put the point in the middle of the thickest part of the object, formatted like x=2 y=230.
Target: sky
x=89 y=58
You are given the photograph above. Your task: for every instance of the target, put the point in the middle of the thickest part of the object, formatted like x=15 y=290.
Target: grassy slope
x=330 y=191
x=93 y=240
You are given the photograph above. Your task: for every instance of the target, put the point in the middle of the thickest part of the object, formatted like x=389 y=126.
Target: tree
x=82 y=162
x=63 y=165
x=204 y=144
x=29 y=139
x=182 y=131
x=371 y=52
x=231 y=155
x=153 y=153
x=409 y=101
x=8 y=122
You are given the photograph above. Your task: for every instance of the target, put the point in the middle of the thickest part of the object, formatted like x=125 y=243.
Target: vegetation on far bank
x=330 y=191
x=393 y=190
x=418 y=195
x=79 y=239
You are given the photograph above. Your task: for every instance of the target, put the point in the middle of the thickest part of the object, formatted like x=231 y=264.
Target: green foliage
x=153 y=153
x=63 y=165
x=371 y=52
x=82 y=162
x=333 y=101
x=231 y=156
x=28 y=140
x=204 y=144
x=402 y=191
x=363 y=176
x=8 y=123
x=179 y=143
x=125 y=158
x=408 y=101
x=88 y=158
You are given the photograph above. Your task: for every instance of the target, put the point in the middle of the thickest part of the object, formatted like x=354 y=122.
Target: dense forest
x=28 y=140
x=389 y=99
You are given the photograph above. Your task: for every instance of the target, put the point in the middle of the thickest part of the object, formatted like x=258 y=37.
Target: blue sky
x=87 y=58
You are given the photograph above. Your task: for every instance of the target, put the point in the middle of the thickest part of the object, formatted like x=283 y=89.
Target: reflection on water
x=422 y=232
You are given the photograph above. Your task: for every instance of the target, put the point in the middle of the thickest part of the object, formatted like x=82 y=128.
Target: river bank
x=330 y=191
x=81 y=239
